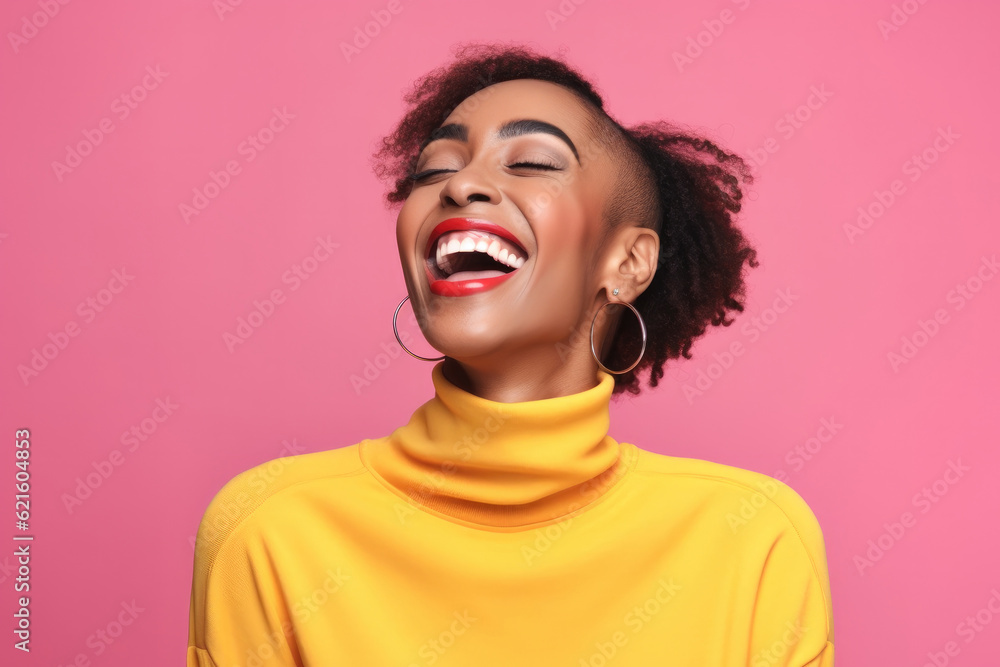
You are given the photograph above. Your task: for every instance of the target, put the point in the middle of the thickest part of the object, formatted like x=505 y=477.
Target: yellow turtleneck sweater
x=484 y=533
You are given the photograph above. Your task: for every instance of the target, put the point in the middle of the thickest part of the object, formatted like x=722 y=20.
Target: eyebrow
x=508 y=130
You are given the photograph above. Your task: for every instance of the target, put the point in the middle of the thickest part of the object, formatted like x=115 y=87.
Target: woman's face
x=542 y=184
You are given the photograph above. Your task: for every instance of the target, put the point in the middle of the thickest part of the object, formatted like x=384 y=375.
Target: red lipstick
x=443 y=287
x=464 y=287
x=455 y=224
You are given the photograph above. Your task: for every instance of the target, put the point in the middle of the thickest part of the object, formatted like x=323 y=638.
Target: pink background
x=161 y=336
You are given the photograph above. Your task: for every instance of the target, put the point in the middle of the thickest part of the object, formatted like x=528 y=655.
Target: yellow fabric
x=485 y=533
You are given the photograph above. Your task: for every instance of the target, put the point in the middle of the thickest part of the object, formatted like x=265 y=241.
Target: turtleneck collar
x=502 y=464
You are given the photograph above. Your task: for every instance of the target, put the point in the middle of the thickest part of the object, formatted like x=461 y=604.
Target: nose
x=468 y=185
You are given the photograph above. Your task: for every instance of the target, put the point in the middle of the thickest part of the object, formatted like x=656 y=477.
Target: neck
x=502 y=464
x=517 y=384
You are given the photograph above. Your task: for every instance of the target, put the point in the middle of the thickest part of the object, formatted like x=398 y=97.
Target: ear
x=635 y=255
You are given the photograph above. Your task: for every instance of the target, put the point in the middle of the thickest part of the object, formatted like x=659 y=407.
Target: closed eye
x=427 y=174
x=534 y=165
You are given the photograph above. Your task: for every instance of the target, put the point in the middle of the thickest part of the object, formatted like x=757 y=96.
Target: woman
x=503 y=525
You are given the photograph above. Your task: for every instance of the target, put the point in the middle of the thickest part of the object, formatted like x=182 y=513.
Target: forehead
x=523 y=98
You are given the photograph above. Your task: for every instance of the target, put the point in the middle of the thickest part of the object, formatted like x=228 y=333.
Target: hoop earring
x=642 y=325
x=401 y=342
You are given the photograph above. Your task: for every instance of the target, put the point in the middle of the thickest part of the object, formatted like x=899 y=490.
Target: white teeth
x=491 y=247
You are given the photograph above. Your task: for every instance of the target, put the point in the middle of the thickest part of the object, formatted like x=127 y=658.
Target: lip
x=476 y=285
x=454 y=224
x=464 y=287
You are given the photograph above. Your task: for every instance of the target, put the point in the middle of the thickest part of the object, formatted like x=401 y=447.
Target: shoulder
x=745 y=497
x=276 y=481
x=770 y=532
x=761 y=521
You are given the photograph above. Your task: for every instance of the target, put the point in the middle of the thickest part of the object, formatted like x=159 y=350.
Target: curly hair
x=682 y=186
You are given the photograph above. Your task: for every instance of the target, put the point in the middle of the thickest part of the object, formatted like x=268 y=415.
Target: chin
x=461 y=342
x=459 y=346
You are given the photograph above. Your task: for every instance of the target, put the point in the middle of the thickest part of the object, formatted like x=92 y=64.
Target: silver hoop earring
x=642 y=325
x=401 y=342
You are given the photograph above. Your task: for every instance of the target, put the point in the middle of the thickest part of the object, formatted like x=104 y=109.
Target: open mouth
x=470 y=254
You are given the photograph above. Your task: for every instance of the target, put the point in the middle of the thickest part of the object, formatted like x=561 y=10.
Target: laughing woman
x=551 y=256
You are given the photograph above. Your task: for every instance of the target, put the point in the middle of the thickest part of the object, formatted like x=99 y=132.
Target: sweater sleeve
x=793 y=614
x=237 y=613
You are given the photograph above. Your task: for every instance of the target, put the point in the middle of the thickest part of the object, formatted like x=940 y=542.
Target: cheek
x=563 y=262
x=561 y=230
x=407 y=224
